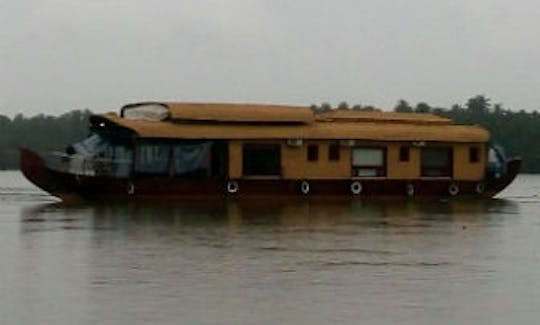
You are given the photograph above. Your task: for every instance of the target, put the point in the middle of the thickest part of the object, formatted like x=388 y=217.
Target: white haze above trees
x=60 y=55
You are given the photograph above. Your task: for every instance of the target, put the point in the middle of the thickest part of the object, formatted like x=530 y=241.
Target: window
x=474 y=155
x=404 y=154
x=436 y=162
x=369 y=162
x=191 y=160
x=261 y=159
x=313 y=152
x=333 y=151
x=123 y=157
x=153 y=158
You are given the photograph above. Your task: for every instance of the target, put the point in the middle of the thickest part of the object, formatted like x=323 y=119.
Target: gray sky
x=59 y=55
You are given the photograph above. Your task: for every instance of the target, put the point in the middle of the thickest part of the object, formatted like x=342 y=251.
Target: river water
x=269 y=262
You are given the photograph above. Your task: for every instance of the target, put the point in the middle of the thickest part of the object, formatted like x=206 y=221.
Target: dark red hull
x=65 y=185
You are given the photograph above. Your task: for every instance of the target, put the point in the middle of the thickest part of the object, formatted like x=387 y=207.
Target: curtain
x=191 y=157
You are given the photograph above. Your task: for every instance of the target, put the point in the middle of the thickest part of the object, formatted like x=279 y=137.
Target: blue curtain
x=153 y=158
x=191 y=157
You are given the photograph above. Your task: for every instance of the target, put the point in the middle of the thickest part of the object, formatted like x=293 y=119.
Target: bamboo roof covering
x=257 y=113
x=374 y=131
x=260 y=113
x=347 y=115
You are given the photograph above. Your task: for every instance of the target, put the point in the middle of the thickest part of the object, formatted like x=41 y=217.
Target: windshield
x=90 y=146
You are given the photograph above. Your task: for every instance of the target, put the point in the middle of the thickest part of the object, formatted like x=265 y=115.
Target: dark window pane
x=261 y=159
x=474 y=155
x=312 y=152
x=436 y=162
x=333 y=151
x=404 y=154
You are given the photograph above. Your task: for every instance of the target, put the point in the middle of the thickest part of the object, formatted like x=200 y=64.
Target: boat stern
x=501 y=171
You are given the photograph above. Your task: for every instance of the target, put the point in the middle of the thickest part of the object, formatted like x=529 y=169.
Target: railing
x=88 y=166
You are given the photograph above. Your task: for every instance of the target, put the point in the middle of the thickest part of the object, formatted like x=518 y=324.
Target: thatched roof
x=375 y=131
x=224 y=113
x=261 y=113
x=347 y=115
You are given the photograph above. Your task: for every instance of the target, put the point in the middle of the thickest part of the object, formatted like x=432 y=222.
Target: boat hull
x=66 y=185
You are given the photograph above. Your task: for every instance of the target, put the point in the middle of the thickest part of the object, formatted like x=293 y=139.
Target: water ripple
x=384 y=263
x=21 y=194
x=329 y=250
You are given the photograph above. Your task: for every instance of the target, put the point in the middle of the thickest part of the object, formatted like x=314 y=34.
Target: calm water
x=269 y=262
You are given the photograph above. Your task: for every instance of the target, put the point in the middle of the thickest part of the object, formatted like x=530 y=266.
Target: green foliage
x=41 y=132
x=403 y=107
x=422 y=108
x=343 y=105
x=325 y=107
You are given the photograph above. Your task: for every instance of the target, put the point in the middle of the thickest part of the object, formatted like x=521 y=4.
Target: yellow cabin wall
x=294 y=163
x=235 y=159
x=402 y=169
x=296 y=166
x=463 y=168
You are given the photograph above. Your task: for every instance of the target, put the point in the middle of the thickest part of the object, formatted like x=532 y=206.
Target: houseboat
x=174 y=150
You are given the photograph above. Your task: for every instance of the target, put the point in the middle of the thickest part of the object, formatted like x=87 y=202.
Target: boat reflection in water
x=286 y=213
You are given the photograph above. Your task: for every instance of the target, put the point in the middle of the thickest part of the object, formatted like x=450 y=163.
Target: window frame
x=380 y=170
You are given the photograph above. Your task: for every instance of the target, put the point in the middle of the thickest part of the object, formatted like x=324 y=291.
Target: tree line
x=40 y=132
x=516 y=131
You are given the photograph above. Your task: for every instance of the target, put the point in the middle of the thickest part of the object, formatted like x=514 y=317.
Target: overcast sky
x=59 y=55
